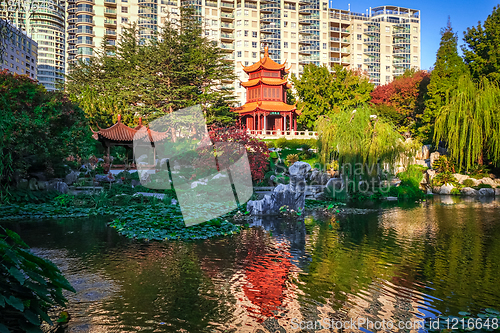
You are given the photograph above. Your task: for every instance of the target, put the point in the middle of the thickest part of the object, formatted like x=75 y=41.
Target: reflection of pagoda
x=266 y=107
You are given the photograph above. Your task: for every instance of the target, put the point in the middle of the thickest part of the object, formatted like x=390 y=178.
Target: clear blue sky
x=434 y=15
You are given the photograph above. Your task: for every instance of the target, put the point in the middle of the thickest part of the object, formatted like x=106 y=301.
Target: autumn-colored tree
x=324 y=92
x=402 y=100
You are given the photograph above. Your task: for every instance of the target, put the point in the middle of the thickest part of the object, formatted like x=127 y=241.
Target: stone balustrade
x=276 y=134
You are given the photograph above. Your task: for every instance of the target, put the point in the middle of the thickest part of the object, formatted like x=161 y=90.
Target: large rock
x=292 y=195
x=446 y=189
x=469 y=191
x=460 y=178
x=431 y=174
x=71 y=177
x=436 y=189
x=434 y=156
x=58 y=186
x=43 y=184
x=33 y=184
x=426 y=152
x=324 y=178
x=497 y=192
x=487 y=192
x=489 y=181
x=23 y=184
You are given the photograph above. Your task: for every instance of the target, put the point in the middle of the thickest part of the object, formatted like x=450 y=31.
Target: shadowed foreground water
x=398 y=264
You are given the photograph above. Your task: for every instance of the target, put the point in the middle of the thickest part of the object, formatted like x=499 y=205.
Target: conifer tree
x=448 y=68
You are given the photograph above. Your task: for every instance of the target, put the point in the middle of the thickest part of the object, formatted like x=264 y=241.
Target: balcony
x=371 y=60
x=111 y=3
x=109 y=22
x=371 y=40
x=110 y=33
x=227 y=6
x=224 y=36
x=334 y=59
x=227 y=47
x=372 y=50
x=227 y=16
x=210 y=3
x=85 y=20
x=401 y=51
x=226 y=26
x=110 y=12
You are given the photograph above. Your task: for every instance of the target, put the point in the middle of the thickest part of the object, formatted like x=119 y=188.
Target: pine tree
x=481 y=51
x=448 y=68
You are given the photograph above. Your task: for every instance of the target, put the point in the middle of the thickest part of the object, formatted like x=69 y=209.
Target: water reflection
x=400 y=264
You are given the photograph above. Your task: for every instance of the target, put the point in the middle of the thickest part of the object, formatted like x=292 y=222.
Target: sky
x=434 y=16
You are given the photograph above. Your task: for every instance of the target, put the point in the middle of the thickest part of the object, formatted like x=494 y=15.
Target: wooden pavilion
x=265 y=110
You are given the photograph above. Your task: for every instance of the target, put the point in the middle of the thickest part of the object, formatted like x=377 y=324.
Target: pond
x=398 y=264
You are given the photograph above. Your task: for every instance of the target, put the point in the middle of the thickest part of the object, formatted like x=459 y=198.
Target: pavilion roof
x=265 y=106
x=265 y=80
x=265 y=63
x=120 y=132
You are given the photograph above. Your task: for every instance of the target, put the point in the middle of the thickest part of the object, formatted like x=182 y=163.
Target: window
x=254 y=54
x=359 y=56
x=254 y=34
x=238 y=23
x=285 y=24
x=124 y=9
x=246 y=63
x=415 y=29
x=238 y=12
x=415 y=59
x=324 y=46
x=246 y=12
x=293 y=24
x=359 y=37
x=124 y=20
x=214 y=23
x=294 y=35
x=207 y=32
x=387 y=29
x=325 y=6
x=246 y=32
x=360 y=66
x=238 y=54
x=359 y=26
x=285 y=14
x=387 y=58
x=246 y=23
x=415 y=39
x=254 y=45
x=285 y=45
x=387 y=79
x=246 y=43
x=238 y=33
x=387 y=68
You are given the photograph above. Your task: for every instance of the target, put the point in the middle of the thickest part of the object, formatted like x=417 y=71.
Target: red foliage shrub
x=258 y=154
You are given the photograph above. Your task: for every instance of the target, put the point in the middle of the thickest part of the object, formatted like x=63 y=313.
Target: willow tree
x=361 y=142
x=470 y=123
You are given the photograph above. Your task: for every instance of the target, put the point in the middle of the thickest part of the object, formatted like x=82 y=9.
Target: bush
x=468 y=182
x=270 y=144
x=444 y=178
x=444 y=165
x=480 y=186
x=281 y=143
x=30 y=286
x=455 y=191
x=291 y=159
x=409 y=188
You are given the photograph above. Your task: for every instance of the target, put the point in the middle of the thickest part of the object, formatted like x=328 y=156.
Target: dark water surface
x=397 y=263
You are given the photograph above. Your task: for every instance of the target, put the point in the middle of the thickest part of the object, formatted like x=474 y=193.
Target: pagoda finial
x=119 y=118
x=266 y=51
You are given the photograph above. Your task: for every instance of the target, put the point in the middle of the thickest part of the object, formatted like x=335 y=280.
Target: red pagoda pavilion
x=266 y=111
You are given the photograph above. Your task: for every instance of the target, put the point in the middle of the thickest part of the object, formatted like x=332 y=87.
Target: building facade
x=44 y=22
x=20 y=52
x=383 y=42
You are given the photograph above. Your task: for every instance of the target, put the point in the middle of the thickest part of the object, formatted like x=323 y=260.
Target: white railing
x=273 y=134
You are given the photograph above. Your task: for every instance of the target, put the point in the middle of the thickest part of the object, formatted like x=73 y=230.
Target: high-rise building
x=383 y=42
x=44 y=22
x=19 y=51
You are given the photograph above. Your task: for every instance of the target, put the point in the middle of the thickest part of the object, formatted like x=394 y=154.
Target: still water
x=394 y=263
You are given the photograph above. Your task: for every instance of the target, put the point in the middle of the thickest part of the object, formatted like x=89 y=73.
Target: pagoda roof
x=265 y=106
x=265 y=63
x=120 y=132
x=265 y=80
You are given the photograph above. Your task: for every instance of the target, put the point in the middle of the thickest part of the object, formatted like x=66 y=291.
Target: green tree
x=38 y=129
x=448 y=68
x=359 y=141
x=178 y=68
x=470 y=123
x=481 y=51
x=321 y=92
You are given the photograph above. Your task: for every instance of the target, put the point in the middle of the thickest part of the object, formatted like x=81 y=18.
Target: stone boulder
x=292 y=195
x=489 y=181
x=434 y=156
x=497 y=192
x=487 y=192
x=58 y=186
x=33 y=184
x=23 y=184
x=469 y=191
x=460 y=178
x=446 y=189
x=436 y=189
x=324 y=178
x=42 y=185
x=426 y=152
x=71 y=177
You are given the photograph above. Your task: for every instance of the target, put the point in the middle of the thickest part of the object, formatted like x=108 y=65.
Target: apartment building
x=20 y=51
x=383 y=42
x=44 y=22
